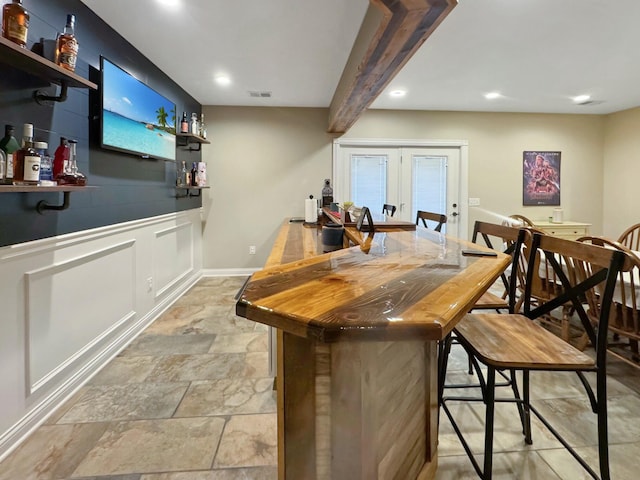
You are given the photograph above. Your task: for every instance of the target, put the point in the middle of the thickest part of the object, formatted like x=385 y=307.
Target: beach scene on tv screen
x=135 y=117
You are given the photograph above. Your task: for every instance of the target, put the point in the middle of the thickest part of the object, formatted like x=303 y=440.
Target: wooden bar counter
x=357 y=343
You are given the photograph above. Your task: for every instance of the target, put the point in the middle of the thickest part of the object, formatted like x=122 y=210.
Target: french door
x=412 y=178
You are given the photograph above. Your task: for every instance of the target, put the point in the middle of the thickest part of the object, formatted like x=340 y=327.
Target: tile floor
x=190 y=399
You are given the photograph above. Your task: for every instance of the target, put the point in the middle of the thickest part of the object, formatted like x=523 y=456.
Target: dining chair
x=518 y=221
x=515 y=342
x=507 y=236
x=388 y=209
x=624 y=322
x=630 y=238
x=434 y=217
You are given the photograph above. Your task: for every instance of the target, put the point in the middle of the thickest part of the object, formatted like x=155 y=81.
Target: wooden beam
x=391 y=32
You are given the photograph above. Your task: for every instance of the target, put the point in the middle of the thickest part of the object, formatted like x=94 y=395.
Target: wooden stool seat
x=515 y=341
x=490 y=301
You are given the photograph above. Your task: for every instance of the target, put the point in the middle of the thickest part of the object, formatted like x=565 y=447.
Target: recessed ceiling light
x=169 y=3
x=398 y=93
x=222 y=80
x=492 y=95
x=581 y=98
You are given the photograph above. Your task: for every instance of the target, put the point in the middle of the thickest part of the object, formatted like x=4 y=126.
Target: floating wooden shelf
x=188 y=189
x=184 y=139
x=42 y=205
x=34 y=64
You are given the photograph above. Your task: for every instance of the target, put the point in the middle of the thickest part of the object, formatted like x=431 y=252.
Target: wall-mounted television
x=135 y=118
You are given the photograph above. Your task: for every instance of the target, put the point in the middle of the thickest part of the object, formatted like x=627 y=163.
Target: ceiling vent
x=591 y=102
x=259 y=94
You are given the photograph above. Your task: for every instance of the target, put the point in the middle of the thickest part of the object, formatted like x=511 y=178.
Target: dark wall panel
x=128 y=187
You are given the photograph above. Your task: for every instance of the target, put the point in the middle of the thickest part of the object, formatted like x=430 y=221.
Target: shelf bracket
x=41 y=97
x=43 y=205
x=187 y=192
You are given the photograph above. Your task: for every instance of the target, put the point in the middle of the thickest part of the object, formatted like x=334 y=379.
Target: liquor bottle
x=26 y=162
x=203 y=127
x=184 y=124
x=46 y=173
x=194 y=123
x=327 y=193
x=15 y=22
x=9 y=145
x=181 y=175
x=3 y=165
x=67 y=45
x=61 y=158
x=71 y=175
x=194 y=174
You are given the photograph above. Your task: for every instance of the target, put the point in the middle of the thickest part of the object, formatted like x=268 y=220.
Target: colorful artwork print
x=541 y=178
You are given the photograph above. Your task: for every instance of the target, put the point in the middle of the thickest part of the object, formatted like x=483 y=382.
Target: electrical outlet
x=149 y=284
x=474 y=202
x=252 y=249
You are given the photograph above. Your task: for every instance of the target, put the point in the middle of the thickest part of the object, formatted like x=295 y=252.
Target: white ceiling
x=536 y=53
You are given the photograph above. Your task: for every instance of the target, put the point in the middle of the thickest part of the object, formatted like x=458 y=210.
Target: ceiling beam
x=391 y=32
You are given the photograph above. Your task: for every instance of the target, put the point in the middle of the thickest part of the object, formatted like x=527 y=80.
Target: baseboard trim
x=20 y=431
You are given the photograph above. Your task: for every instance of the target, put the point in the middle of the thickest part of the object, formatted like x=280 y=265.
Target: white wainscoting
x=72 y=302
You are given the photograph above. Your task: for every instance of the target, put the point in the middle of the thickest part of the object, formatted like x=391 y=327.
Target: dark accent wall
x=128 y=187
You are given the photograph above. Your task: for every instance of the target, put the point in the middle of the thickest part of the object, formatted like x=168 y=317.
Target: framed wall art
x=540 y=178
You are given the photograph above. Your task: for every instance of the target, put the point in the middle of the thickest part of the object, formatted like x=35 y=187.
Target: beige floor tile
x=53 y=452
x=248 y=440
x=122 y=370
x=240 y=343
x=188 y=319
x=256 y=473
x=126 y=402
x=150 y=446
x=175 y=344
x=228 y=397
x=506 y=466
x=256 y=365
x=176 y=368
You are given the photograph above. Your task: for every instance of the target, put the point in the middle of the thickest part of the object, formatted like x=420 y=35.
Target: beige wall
x=263 y=162
x=622 y=171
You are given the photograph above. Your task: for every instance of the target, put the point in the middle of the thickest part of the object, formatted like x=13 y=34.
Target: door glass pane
x=430 y=185
x=369 y=181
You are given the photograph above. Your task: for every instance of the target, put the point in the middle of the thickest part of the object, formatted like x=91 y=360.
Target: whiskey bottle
x=26 y=166
x=9 y=145
x=71 y=175
x=15 y=22
x=194 y=123
x=184 y=124
x=67 y=45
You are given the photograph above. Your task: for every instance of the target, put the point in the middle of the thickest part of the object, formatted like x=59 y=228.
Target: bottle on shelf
x=183 y=176
x=15 y=22
x=203 y=127
x=194 y=124
x=3 y=165
x=9 y=145
x=194 y=174
x=61 y=158
x=26 y=162
x=327 y=193
x=67 y=45
x=184 y=123
x=46 y=171
x=71 y=175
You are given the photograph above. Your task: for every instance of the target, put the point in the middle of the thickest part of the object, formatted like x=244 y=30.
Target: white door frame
x=462 y=145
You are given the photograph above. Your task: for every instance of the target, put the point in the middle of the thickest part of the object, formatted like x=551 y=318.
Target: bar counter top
x=411 y=285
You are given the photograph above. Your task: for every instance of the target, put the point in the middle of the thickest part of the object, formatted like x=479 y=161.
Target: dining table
x=357 y=336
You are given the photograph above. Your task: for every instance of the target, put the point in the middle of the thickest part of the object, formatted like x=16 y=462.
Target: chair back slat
x=630 y=238
x=434 y=217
